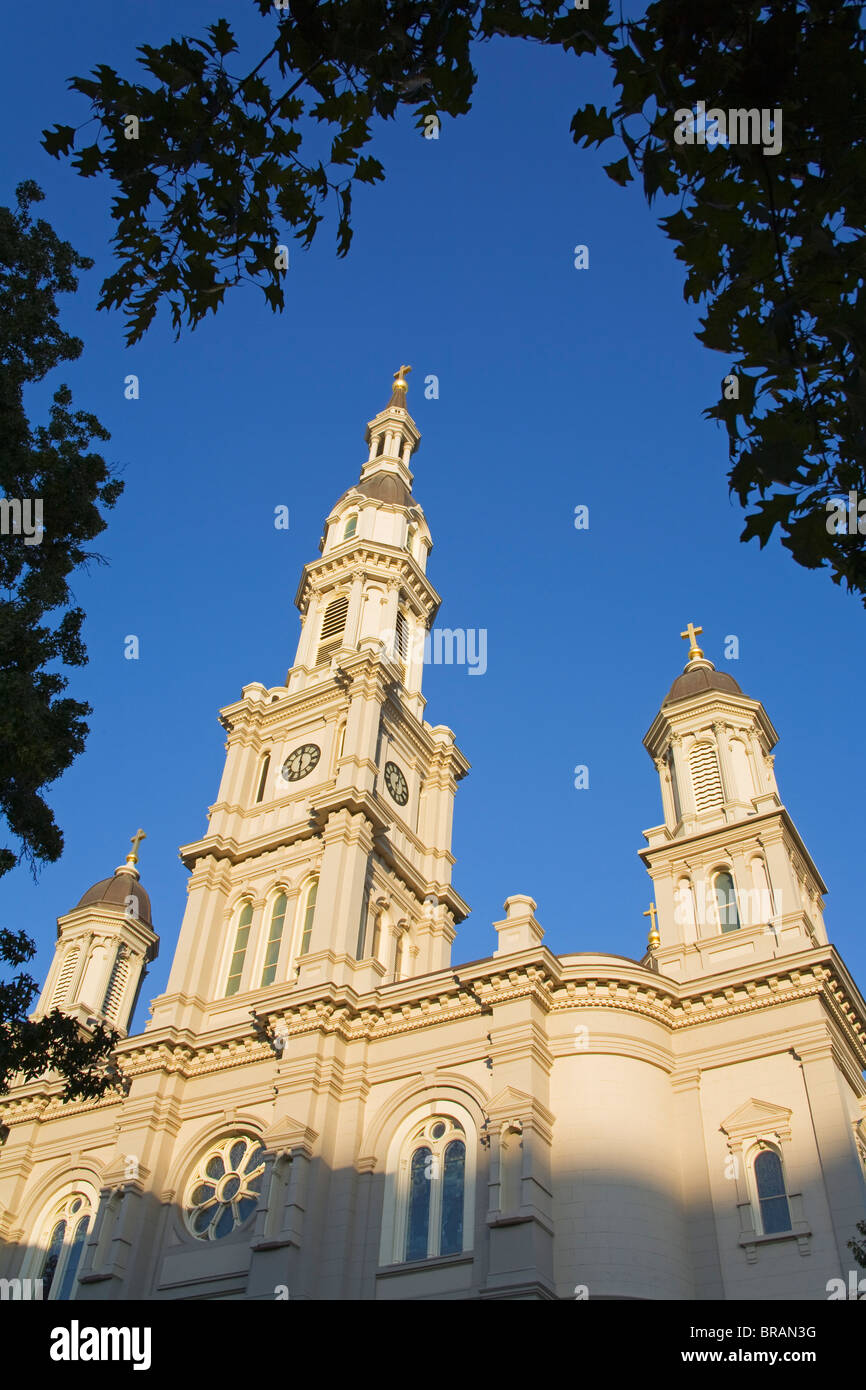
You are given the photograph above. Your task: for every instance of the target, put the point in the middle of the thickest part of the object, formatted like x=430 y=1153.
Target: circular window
x=224 y=1189
x=438 y=1130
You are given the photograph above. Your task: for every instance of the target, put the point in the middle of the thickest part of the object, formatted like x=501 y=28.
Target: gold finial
x=135 y=841
x=691 y=633
x=400 y=377
x=653 y=940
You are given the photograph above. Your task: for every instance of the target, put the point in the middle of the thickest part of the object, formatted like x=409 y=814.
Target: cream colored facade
x=323 y=1107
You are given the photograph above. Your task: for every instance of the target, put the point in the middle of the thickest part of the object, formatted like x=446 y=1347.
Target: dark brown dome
x=384 y=487
x=114 y=891
x=698 y=682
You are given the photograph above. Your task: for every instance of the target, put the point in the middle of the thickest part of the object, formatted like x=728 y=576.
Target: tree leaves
x=772 y=244
x=41 y=730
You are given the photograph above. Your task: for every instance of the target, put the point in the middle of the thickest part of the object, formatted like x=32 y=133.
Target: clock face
x=396 y=784
x=302 y=761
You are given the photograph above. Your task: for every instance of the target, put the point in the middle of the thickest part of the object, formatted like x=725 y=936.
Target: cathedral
x=323 y=1106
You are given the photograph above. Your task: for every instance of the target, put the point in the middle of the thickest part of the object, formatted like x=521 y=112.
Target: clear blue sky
x=557 y=387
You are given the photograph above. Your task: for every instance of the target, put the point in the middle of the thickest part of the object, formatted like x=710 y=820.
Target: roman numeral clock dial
x=396 y=784
x=301 y=762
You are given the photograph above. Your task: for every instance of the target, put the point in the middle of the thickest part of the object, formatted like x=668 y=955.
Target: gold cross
x=653 y=939
x=399 y=377
x=135 y=841
x=691 y=633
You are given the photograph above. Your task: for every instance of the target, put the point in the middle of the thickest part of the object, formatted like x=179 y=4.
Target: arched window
x=116 y=983
x=223 y=1191
x=775 y=1214
x=340 y=743
x=399 y=955
x=410 y=539
x=64 y=979
x=510 y=1157
x=350 y=528
x=309 y=912
x=726 y=901
x=675 y=790
x=263 y=778
x=743 y=779
x=435 y=1183
x=275 y=938
x=402 y=637
x=333 y=624
x=684 y=907
x=377 y=933
x=236 y=968
x=706 y=780
x=63 y=1244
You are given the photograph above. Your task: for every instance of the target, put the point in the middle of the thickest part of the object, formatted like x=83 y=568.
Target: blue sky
x=558 y=387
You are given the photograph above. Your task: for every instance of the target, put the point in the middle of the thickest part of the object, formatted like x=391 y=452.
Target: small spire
x=691 y=632
x=398 y=394
x=653 y=940
x=132 y=857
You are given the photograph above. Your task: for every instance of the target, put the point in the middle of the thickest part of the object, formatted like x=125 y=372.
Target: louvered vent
x=61 y=989
x=116 y=984
x=705 y=776
x=333 y=623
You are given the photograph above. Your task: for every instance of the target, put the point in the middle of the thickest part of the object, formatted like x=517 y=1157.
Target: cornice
x=732 y=832
x=379 y=561
x=556 y=985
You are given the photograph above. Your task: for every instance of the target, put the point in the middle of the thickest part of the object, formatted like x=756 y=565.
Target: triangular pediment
x=757 y=1117
x=287 y=1133
x=512 y=1104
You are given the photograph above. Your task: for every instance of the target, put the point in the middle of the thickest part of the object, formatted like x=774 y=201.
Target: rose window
x=224 y=1189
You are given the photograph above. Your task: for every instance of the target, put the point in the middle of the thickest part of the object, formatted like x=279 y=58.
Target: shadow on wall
x=613 y=1237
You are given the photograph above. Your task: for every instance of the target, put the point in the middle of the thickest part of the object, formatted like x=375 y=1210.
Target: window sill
x=750 y=1241
x=433 y=1262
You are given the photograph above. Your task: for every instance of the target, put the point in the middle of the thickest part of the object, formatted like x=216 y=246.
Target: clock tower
x=327 y=860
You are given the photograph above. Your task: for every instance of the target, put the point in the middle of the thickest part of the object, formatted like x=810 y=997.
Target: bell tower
x=104 y=946
x=327 y=859
x=733 y=881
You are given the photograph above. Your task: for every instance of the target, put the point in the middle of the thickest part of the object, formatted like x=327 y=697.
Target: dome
x=114 y=891
x=384 y=487
x=700 y=680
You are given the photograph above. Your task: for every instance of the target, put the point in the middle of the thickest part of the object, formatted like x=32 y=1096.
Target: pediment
x=287 y=1134
x=512 y=1104
x=757 y=1117
x=510 y=1099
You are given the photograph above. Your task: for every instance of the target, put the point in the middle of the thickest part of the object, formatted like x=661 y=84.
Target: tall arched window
x=726 y=901
x=275 y=939
x=339 y=744
x=263 y=778
x=333 y=624
x=350 y=528
x=402 y=637
x=116 y=983
x=706 y=779
x=377 y=933
x=435 y=1183
x=510 y=1159
x=399 y=954
x=775 y=1213
x=63 y=1244
x=242 y=936
x=64 y=979
x=309 y=912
